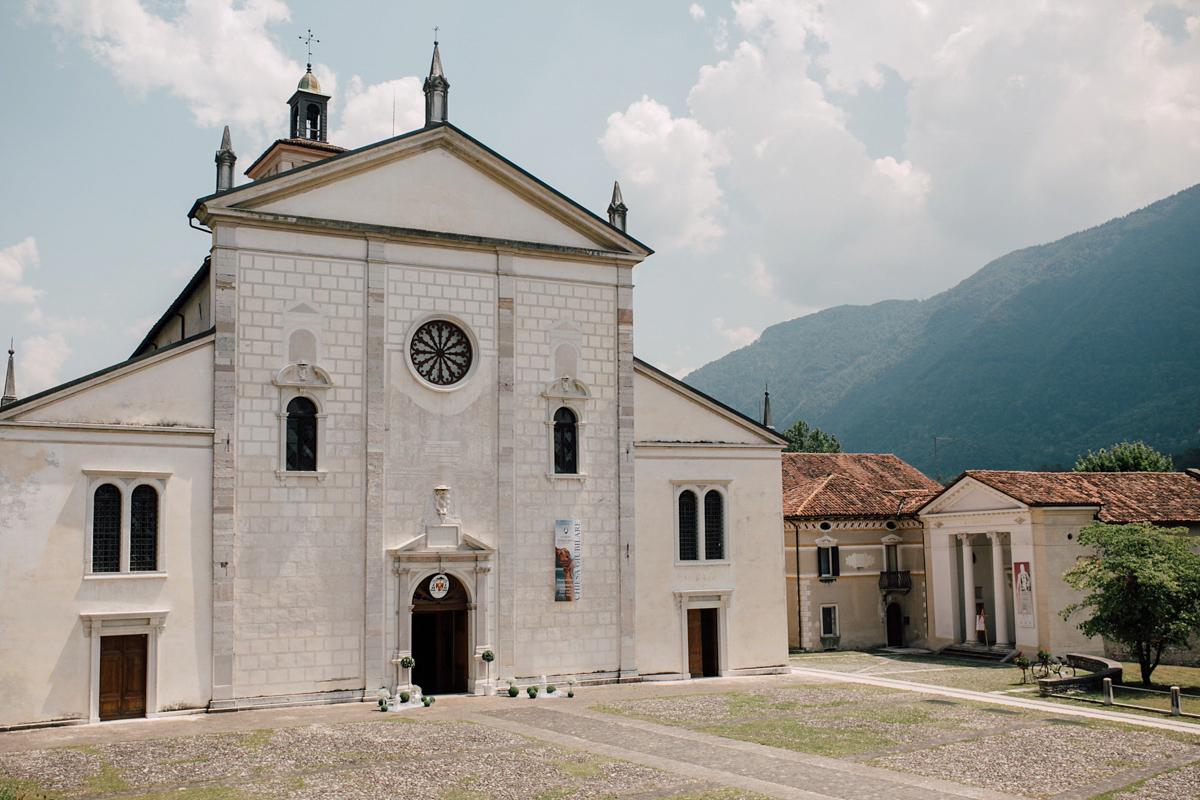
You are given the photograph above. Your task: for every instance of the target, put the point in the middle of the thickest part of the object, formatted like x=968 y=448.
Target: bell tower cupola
x=310 y=110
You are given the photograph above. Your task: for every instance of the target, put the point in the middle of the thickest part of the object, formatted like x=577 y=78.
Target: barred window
x=143 y=530
x=714 y=526
x=689 y=546
x=301 y=436
x=106 y=529
x=566 y=442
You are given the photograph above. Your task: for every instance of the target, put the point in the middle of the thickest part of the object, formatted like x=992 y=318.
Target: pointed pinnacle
x=226 y=144
x=616 y=198
x=435 y=69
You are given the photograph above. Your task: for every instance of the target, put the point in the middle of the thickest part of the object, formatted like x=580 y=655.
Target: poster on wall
x=1023 y=585
x=566 y=559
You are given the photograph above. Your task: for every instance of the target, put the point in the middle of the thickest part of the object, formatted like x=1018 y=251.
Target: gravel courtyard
x=719 y=739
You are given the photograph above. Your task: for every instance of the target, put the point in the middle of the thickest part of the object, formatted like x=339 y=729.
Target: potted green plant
x=532 y=692
x=551 y=689
x=1022 y=661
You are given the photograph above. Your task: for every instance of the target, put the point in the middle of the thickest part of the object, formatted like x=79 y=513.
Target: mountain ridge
x=1040 y=355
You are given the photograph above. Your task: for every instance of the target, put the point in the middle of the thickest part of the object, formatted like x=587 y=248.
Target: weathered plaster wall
x=45 y=663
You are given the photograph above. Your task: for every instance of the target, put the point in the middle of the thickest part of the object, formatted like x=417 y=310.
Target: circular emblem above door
x=439 y=585
x=441 y=352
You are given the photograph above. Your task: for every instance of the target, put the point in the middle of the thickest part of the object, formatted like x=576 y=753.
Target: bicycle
x=1048 y=664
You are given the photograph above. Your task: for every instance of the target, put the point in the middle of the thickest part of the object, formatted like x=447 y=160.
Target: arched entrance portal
x=895 y=625
x=439 y=638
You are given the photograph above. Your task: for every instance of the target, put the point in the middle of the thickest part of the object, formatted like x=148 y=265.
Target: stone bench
x=1098 y=668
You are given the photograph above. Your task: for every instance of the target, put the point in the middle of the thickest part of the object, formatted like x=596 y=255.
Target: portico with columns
x=973 y=537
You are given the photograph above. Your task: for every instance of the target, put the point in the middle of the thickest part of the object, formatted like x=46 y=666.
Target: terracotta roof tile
x=852 y=485
x=1164 y=497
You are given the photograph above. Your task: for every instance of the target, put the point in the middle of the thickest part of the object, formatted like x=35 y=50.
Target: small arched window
x=314 y=123
x=301 y=436
x=143 y=530
x=106 y=529
x=689 y=528
x=566 y=442
x=714 y=526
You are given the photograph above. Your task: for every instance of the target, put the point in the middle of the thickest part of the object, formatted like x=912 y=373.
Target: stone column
x=1000 y=599
x=968 y=589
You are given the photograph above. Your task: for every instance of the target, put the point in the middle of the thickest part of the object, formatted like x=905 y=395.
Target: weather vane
x=435 y=35
x=309 y=41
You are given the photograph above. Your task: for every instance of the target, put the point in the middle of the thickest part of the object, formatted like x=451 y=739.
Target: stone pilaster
x=506 y=516
x=223 y=287
x=625 y=476
x=375 y=571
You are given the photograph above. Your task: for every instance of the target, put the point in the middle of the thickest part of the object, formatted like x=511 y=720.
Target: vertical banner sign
x=1023 y=589
x=566 y=560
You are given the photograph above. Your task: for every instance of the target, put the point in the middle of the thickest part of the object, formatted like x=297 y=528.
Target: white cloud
x=1022 y=122
x=697 y=11
x=221 y=58
x=740 y=337
x=39 y=361
x=671 y=164
x=368 y=111
x=215 y=54
x=14 y=261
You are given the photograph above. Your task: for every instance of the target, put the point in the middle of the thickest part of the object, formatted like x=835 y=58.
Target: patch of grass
x=107 y=780
x=205 y=793
x=933 y=670
x=581 y=769
x=462 y=794
x=254 y=741
x=742 y=704
x=896 y=714
x=720 y=794
x=17 y=789
x=555 y=794
x=469 y=780
x=792 y=734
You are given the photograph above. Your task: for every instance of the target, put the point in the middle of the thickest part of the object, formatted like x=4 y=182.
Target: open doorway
x=895 y=625
x=439 y=639
x=702 y=643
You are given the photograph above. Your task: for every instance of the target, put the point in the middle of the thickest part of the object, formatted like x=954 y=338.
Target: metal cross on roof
x=309 y=41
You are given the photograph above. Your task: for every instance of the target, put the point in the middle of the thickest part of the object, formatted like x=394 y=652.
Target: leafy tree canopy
x=1142 y=587
x=802 y=439
x=1124 y=457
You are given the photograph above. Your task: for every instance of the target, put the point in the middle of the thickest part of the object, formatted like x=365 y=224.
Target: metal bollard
x=1108 y=697
x=1176 y=705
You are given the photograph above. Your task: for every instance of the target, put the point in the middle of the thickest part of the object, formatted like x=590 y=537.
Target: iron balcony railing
x=897 y=581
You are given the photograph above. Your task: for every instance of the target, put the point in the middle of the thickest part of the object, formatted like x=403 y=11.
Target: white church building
x=395 y=414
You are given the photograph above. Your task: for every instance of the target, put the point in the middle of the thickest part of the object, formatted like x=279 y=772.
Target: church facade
x=394 y=418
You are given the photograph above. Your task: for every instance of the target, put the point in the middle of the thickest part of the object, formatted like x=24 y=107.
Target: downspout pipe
x=799 y=611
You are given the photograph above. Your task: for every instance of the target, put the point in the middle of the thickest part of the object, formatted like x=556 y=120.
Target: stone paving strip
x=768 y=770
x=1092 y=712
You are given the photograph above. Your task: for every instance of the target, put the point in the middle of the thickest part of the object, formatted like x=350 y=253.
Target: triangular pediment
x=972 y=497
x=438 y=180
x=669 y=410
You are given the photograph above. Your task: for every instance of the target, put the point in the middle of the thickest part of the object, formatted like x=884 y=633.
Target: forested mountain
x=1038 y=357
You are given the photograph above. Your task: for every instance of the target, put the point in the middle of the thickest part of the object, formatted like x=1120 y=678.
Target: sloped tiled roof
x=1122 y=496
x=852 y=485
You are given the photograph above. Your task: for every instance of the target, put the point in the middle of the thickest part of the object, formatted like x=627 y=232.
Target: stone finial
x=225 y=159
x=436 y=90
x=10 y=381
x=616 y=208
x=767 y=422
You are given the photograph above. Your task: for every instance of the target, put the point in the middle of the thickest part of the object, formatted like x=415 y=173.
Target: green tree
x=802 y=439
x=1124 y=457
x=1142 y=587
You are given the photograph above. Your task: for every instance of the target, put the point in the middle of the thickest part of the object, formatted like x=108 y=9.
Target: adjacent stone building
x=998 y=542
x=855 y=560
x=395 y=414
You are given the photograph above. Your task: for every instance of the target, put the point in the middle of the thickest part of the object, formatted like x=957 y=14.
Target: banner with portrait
x=566 y=559
x=1023 y=594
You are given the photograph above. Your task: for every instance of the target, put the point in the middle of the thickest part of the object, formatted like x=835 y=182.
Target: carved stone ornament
x=441 y=501
x=303 y=375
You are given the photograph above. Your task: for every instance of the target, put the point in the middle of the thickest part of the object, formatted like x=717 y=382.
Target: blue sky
x=780 y=156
